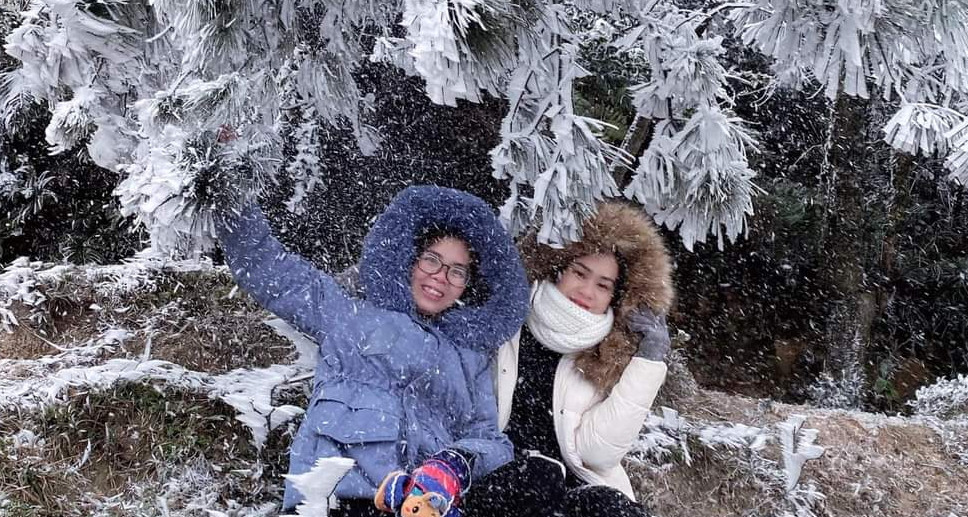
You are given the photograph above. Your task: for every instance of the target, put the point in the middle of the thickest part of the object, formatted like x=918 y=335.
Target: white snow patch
x=26 y=439
x=318 y=484
x=798 y=447
x=735 y=436
x=33 y=383
x=306 y=348
x=250 y=393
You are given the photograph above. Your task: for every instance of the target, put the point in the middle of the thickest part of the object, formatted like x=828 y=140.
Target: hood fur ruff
x=389 y=252
x=617 y=227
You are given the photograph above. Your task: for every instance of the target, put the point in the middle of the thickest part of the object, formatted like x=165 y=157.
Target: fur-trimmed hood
x=617 y=227
x=389 y=252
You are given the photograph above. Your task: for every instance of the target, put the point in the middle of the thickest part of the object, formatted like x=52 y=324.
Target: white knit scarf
x=561 y=325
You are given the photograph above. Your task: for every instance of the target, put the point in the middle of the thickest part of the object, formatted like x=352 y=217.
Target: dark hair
x=476 y=291
x=621 y=283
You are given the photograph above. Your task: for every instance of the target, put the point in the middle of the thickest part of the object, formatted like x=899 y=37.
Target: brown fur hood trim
x=617 y=227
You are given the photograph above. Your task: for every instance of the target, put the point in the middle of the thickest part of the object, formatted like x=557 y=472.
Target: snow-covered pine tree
x=694 y=174
x=145 y=86
x=912 y=54
x=546 y=146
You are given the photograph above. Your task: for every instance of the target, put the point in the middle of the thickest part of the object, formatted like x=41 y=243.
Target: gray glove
x=655 y=343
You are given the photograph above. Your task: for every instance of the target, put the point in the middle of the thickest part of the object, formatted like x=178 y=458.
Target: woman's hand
x=223 y=179
x=655 y=343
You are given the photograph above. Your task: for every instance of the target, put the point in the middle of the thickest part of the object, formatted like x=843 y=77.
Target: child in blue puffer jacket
x=402 y=374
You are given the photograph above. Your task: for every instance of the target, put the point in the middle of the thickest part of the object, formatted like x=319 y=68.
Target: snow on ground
x=714 y=455
x=318 y=484
x=27 y=384
x=36 y=383
x=671 y=439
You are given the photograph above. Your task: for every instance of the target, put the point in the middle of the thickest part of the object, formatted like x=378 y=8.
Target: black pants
x=532 y=487
x=357 y=508
x=536 y=487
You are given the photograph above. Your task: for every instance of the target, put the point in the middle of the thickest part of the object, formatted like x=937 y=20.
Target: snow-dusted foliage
x=545 y=145
x=440 y=43
x=947 y=398
x=49 y=379
x=843 y=387
x=911 y=49
x=662 y=437
x=953 y=436
x=18 y=284
x=304 y=165
x=156 y=90
x=694 y=175
x=165 y=360
x=149 y=88
x=141 y=84
x=23 y=281
x=247 y=390
x=839 y=390
x=957 y=160
x=671 y=438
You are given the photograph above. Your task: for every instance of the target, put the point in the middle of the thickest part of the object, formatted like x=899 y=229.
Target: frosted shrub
x=844 y=391
x=741 y=456
x=947 y=398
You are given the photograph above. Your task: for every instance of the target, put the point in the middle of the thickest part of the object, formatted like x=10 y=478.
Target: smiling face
x=433 y=293
x=589 y=282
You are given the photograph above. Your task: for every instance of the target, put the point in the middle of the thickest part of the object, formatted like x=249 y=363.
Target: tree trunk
x=635 y=142
x=845 y=249
x=865 y=187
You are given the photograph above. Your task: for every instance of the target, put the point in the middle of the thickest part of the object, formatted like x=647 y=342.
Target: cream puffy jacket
x=594 y=431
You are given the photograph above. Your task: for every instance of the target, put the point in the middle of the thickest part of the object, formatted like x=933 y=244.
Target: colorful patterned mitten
x=431 y=490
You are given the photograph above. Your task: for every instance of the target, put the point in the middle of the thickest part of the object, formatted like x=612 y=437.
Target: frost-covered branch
x=694 y=175
x=546 y=148
x=143 y=86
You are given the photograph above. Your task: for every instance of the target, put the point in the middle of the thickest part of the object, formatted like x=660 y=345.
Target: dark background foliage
x=423 y=144
x=59 y=207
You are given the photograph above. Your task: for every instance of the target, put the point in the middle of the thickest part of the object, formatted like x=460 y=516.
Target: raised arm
x=284 y=283
x=608 y=430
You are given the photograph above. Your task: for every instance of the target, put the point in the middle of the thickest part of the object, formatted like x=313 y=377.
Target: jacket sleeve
x=286 y=284
x=609 y=428
x=481 y=436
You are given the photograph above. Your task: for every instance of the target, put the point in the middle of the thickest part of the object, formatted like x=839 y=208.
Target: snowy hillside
x=154 y=388
x=141 y=389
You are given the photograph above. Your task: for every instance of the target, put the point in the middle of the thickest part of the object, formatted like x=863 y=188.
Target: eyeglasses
x=430 y=263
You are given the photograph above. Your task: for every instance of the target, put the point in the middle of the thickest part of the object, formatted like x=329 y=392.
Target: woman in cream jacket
x=576 y=384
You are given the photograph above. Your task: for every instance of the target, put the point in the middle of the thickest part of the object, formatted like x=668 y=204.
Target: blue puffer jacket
x=391 y=387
